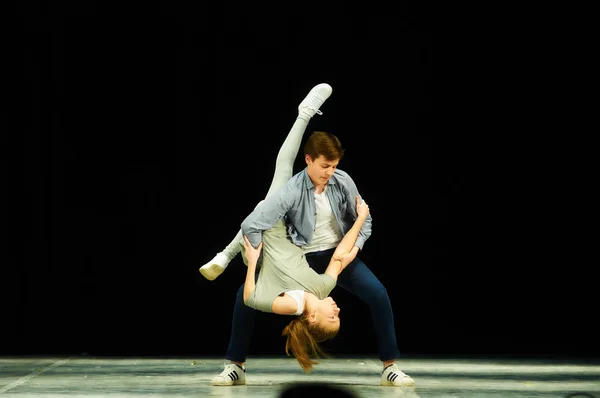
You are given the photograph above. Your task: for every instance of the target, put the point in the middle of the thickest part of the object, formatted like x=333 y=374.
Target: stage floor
x=269 y=376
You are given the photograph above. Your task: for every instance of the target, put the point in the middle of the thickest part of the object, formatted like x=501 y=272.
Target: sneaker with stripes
x=393 y=376
x=233 y=375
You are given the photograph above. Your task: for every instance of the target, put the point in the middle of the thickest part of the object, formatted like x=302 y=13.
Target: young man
x=319 y=207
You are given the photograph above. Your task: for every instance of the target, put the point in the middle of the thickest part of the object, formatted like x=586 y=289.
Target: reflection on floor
x=87 y=376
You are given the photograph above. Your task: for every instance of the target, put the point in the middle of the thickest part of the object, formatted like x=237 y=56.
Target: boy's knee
x=378 y=292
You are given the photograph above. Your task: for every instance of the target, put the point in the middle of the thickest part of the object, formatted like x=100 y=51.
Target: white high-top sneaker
x=313 y=101
x=215 y=267
x=233 y=375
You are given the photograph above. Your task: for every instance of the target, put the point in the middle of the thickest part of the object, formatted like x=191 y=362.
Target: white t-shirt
x=327 y=231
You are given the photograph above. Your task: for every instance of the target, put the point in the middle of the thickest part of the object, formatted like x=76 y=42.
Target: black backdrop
x=147 y=138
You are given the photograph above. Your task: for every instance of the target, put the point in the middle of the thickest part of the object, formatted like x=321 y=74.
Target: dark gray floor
x=85 y=376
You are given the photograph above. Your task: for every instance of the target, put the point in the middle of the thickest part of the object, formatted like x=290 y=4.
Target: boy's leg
x=360 y=280
x=283 y=172
x=239 y=342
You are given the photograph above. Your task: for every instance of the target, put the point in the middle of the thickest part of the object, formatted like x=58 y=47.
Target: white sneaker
x=393 y=376
x=233 y=375
x=315 y=98
x=215 y=267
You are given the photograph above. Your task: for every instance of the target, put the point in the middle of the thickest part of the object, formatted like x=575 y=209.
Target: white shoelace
x=315 y=103
x=318 y=112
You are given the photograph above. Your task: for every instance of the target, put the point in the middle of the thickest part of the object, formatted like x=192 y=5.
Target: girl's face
x=327 y=314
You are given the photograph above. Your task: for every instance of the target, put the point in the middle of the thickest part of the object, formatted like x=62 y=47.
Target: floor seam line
x=31 y=375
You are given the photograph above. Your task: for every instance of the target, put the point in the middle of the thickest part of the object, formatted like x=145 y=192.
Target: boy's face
x=320 y=169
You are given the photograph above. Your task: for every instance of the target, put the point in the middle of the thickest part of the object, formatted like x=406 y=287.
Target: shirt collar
x=309 y=184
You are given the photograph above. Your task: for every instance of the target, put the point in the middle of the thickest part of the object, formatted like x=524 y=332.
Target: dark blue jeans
x=356 y=278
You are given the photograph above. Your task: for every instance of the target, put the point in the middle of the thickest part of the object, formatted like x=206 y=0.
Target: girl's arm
x=252 y=255
x=345 y=251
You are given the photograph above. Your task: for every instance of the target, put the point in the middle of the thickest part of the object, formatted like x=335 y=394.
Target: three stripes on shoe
x=233 y=375
x=392 y=376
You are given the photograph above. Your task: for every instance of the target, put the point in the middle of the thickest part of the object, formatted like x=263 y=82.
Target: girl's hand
x=252 y=254
x=346 y=259
x=362 y=208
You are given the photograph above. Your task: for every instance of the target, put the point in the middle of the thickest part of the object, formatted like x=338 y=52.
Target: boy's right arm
x=265 y=215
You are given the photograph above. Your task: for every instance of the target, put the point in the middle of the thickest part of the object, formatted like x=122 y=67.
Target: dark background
x=145 y=138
